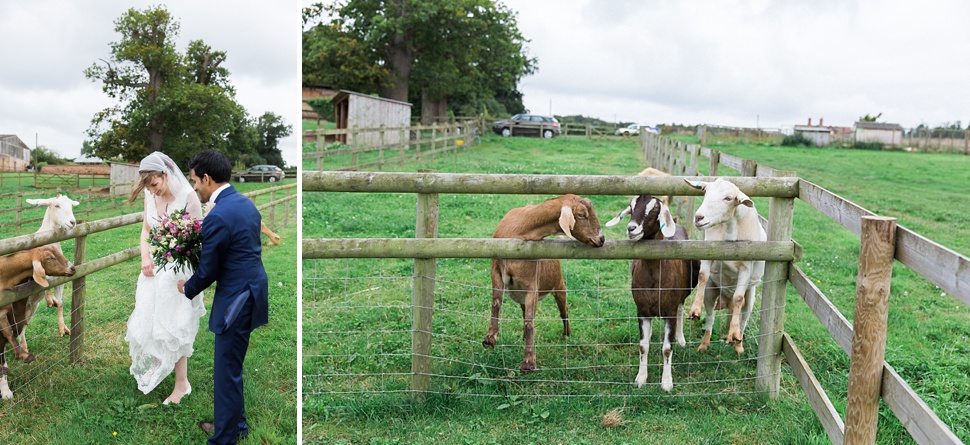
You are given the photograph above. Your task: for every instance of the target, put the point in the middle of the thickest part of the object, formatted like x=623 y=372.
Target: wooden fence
x=882 y=241
x=938 y=264
x=415 y=142
x=87 y=267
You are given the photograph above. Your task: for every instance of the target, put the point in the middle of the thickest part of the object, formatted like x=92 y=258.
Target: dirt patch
x=76 y=169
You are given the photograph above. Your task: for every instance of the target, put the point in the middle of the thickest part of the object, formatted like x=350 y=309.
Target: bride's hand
x=147 y=268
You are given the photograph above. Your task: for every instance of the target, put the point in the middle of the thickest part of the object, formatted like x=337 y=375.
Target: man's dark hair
x=212 y=163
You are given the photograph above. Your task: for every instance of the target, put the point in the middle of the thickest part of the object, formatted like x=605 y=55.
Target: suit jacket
x=232 y=258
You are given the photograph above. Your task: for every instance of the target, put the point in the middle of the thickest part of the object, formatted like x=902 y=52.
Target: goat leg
x=695 y=306
x=8 y=333
x=563 y=312
x=528 y=331
x=646 y=325
x=498 y=291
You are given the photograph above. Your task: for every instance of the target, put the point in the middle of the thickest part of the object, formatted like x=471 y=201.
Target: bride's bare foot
x=177 y=393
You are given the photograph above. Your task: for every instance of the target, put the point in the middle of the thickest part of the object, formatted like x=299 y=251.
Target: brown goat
x=36 y=263
x=528 y=281
x=659 y=287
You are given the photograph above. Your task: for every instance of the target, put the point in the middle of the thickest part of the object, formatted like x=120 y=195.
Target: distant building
x=820 y=135
x=14 y=153
x=368 y=113
x=889 y=134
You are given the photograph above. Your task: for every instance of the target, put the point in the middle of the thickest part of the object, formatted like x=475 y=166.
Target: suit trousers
x=230 y=352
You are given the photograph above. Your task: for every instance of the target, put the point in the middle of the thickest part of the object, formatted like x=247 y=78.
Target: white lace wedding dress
x=164 y=323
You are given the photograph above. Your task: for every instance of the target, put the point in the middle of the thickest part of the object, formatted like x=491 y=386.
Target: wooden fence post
x=768 y=377
x=380 y=152
x=876 y=252
x=715 y=161
x=749 y=167
x=77 y=303
x=422 y=304
x=403 y=147
x=20 y=207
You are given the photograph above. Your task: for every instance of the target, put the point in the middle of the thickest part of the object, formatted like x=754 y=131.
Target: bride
x=164 y=323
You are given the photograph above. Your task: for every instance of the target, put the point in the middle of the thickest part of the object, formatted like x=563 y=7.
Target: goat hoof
x=489 y=341
x=27 y=358
x=65 y=331
x=739 y=348
x=694 y=314
x=4 y=371
x=527 y=366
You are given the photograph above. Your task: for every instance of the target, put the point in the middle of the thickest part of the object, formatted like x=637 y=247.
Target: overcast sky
x=749 y=63
x=45 y=45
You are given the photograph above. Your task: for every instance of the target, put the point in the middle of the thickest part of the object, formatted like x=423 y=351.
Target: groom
x=230 y=256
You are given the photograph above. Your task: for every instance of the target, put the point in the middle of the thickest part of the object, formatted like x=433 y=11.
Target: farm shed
x=820 y=135
x=123 y=177
x=890 y=134
x=368 y=112
x=14 y=153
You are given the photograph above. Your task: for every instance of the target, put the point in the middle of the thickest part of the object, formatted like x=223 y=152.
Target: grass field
x=98 y=402
x=357 y=317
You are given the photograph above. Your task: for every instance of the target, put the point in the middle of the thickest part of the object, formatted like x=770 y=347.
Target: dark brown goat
x=659 y=287
x=528 y=281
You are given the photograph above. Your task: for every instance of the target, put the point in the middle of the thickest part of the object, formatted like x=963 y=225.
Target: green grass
x=357 y=317
x=55 y=402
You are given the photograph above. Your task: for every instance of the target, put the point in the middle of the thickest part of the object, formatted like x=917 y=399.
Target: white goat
x=59 y=216
x=659 y=287
x=528 y=281
x=727 y=214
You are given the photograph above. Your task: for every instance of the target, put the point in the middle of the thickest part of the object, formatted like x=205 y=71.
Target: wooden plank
x=870 y=322
x=921 y=422
x=76 y=350
x=833 y=320
x=941 y=265
x=422 y=299
x=460 y=183
x=837 y=208
x=549 y=248
x=823 y=407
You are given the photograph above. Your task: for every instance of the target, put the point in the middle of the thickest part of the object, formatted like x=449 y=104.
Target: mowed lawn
x=357 y=316
x=97 y=401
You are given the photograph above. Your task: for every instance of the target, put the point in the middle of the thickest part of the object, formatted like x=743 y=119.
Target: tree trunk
x=400 y=59
x=433 y=110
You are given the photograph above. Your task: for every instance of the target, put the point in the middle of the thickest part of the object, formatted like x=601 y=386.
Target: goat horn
x=619 y=217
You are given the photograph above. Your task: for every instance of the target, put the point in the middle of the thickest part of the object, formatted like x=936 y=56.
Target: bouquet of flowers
x=176 y=241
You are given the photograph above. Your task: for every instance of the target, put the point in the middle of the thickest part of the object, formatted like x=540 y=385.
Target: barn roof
x=346 y=93
x=878 y=126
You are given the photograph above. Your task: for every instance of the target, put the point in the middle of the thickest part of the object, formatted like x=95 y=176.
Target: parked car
x=528 y=125
x=634 y=129
x=260 y=173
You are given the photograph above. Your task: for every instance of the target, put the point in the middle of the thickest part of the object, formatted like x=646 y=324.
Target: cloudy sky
x=771 y=64
x=46 y=45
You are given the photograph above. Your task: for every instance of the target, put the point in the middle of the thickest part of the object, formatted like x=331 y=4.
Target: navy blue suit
x=231 y=257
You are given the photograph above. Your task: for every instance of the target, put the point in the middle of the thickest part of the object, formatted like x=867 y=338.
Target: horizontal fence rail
x=562 y=249
x=458 y=183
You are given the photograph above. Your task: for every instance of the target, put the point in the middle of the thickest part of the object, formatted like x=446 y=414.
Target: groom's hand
x=182 y=287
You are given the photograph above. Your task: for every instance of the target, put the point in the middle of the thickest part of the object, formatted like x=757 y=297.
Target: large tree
x=447 y=55
x=176 y=103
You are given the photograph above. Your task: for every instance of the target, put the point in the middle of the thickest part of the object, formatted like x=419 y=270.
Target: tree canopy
x=168 y=101
x=459 y=56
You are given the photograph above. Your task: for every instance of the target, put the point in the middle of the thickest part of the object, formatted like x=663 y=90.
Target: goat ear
x=699 y=185
x=40 y=275
x=567 y=221
x=75 y=203
x=619 y=217
x=37 y=202
x=744 y=199
x=667 y=225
